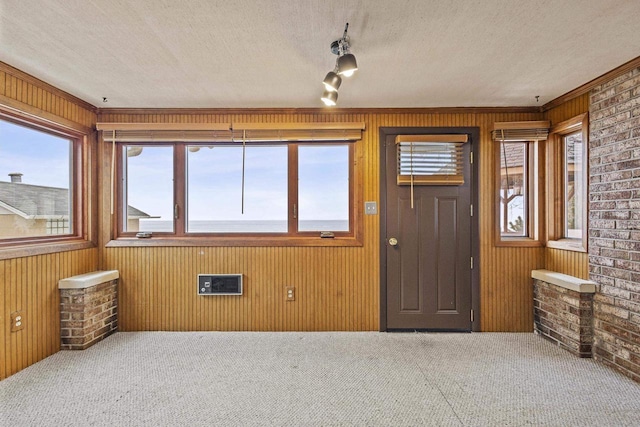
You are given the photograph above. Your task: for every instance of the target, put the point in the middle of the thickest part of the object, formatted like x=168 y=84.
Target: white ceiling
x=275 y=53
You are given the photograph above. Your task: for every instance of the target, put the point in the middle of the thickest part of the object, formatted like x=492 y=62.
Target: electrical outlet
x=17 y=321
x=291 y=293
x=370 y=208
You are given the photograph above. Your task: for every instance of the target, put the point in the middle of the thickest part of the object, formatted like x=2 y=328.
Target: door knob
x=393 y=241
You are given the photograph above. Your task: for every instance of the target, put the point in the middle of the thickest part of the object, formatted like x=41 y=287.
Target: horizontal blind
x=430 y=159
x=228 y=132
x=520 y=131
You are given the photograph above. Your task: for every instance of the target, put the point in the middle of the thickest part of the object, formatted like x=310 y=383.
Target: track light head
x=329 y=98
x=332 y=81
x=347 y=65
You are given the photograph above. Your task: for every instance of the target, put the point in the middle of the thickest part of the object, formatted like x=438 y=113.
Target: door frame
x=474 y=137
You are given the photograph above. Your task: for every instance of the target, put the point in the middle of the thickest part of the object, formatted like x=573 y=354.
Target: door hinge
x=471 y=210
x=295 y=211
x=176 y=211
x=472 y=263
x=471 y=157
x=472 y=316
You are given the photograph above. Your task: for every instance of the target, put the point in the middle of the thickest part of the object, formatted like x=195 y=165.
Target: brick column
x=614 y=220
x=563 y=310
x=88 y=309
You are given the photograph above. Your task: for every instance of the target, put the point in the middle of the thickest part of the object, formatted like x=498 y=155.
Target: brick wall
x=564 y=316
x=614 y=221
x=88 y=315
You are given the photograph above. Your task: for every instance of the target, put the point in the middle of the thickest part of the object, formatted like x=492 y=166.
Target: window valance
x=231 y=132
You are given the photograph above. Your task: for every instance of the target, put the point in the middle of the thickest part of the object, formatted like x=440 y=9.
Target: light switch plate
x=371 y=208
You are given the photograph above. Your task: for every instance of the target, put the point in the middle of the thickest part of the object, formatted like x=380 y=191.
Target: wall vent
x=219 y=284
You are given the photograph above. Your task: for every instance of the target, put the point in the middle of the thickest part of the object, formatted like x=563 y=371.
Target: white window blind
x=430 y=159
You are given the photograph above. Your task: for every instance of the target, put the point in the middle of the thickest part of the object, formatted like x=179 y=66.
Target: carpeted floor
x=318 y=379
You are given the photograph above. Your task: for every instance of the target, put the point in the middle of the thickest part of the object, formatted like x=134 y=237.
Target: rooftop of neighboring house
x=39 y=201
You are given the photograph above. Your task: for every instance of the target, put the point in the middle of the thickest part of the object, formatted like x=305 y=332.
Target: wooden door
x=428 y=251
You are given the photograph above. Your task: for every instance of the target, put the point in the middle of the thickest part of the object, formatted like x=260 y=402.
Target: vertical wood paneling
x=336 y=288
x=31 y=92
x=568 y=262
x=30 y=284
x=505 y=291
x=569 y=109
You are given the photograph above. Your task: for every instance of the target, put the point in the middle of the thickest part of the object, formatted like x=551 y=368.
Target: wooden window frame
x=556 y=184
x=179 y=237
x=80 y=195
x=534 y=203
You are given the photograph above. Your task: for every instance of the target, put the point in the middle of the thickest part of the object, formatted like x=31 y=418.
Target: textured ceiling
x=275 y=53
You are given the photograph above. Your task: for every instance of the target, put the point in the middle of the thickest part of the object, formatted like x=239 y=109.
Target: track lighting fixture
x=332 y=81
x=329 y=98
x=346 y=65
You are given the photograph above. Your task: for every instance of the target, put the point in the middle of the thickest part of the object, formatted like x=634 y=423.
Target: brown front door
x=428 y=251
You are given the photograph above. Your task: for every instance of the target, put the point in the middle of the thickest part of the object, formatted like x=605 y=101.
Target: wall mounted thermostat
x=219 y=284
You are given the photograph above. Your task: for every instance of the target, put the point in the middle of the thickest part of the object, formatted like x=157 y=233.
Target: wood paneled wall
x=28 y=94
x=336 y=288
x=30 y=284
x=563 y=261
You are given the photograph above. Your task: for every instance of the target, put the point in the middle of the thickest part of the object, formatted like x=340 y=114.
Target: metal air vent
x=219 y=284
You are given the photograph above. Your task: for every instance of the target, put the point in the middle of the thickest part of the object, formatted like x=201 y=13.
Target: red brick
x=89 y=315
x=608 y=309
x=77 y=316
x=601 y=95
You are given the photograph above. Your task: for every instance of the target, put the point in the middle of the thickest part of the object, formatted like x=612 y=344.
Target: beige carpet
x=318 y=379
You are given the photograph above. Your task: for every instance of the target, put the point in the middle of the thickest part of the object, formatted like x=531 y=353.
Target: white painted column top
x=565 y=281
x=83 y=281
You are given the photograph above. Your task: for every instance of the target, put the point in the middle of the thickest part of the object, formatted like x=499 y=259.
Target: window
x=517 y=213
x=220 y=199
x=148 y=196
x=574 y=184
x=567 y=185
x=514 y=188
x=252 y=192
x=323 y=188
x=41 y=197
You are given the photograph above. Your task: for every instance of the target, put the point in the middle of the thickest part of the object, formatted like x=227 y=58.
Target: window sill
x=40 y=248
x=521 y=242
x=124 y=242
x=567 y=245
